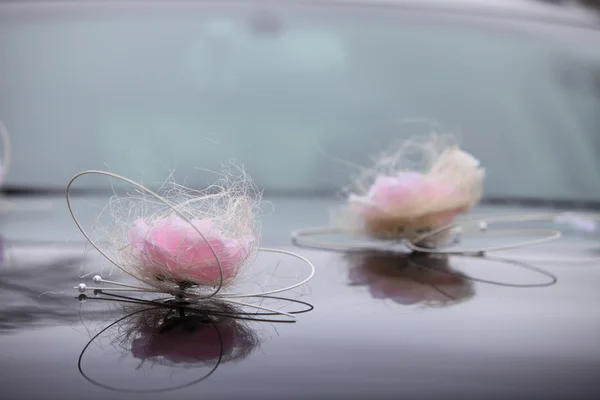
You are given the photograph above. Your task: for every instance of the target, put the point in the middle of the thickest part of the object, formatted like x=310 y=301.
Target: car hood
x=518 y=323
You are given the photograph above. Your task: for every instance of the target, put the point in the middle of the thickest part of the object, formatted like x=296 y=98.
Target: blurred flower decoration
x=392 y=201
x=408 y=195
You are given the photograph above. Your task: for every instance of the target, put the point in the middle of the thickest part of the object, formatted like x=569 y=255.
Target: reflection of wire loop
x=299 y=238
x=392 y=265
x=125 y=390
x=142 y=391
x=142 y=337
x=552 y=278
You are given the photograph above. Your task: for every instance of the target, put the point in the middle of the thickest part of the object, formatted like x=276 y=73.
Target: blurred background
x=286 y=88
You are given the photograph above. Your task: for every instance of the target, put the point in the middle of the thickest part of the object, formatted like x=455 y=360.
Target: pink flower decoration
x=172 y=249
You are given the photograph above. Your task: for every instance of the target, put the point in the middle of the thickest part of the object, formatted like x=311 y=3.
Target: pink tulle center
x=409 y=189
x=173 y=249
x=406 y=188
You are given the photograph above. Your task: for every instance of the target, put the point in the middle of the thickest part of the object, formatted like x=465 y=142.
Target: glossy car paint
x=362 y=340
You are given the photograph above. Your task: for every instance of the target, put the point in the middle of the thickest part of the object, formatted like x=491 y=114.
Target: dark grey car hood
x=373 y=333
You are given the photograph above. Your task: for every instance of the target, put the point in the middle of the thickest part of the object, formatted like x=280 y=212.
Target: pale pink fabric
x=173 y=249
x=407 y=188
x=405 y=191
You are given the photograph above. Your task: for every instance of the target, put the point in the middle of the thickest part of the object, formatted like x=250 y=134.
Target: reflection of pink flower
x=409 y=290
x=172 y=249
x=181 y=346
x=405 y=285
x=405 y=293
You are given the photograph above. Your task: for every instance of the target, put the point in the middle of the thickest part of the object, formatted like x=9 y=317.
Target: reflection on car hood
x=383 y=326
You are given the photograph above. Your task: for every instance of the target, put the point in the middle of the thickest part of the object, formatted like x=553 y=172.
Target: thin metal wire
x=301 y=237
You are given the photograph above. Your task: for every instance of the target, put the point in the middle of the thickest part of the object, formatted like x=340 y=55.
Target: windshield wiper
x=26 y=191
x=541 y=202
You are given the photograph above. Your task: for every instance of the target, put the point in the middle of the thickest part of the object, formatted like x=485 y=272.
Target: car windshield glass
x=290 y=91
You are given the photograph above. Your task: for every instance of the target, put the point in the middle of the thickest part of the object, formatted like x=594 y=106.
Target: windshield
x=290 y=91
